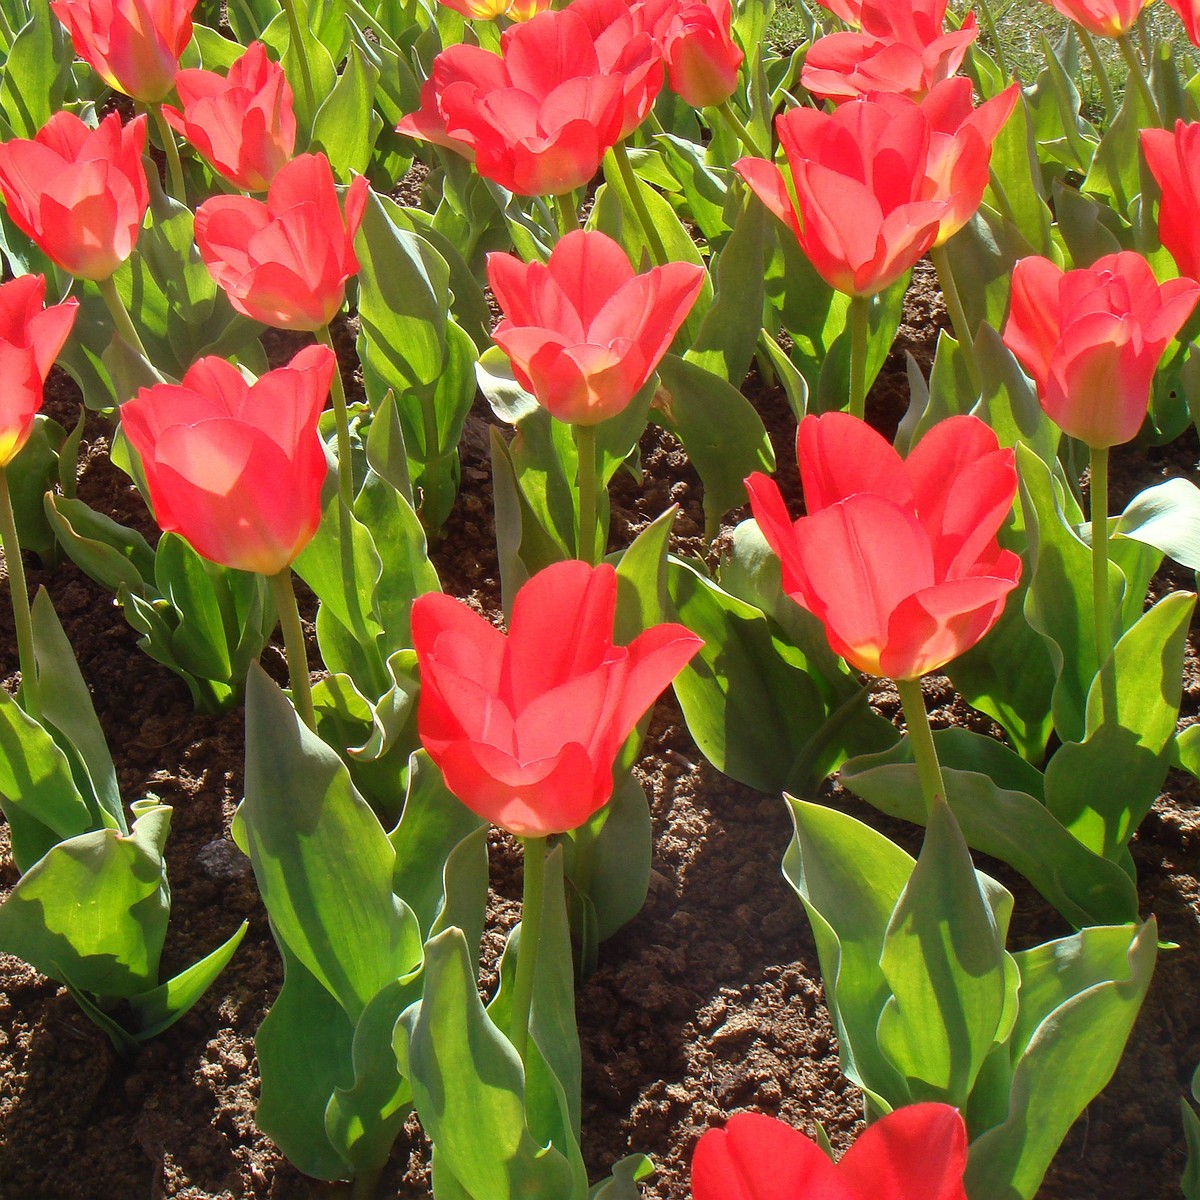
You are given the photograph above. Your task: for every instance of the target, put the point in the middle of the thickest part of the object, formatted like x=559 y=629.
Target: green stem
x=293 y=642
x=1106 y=90
x=634 y=188
x=18 y=590
x=1138 y=74
x=741 y=131
x=568 y=215
x=365 y=1184
x=1145 y=39
x=860 y=312
x=289 y=7
x=989 y=23
x=174 y=166
x=120 y=316
x=921 y=737
x=342 y=422
x=585 y=448
x=958 y=314
x=532 y=897
x=1101 y=611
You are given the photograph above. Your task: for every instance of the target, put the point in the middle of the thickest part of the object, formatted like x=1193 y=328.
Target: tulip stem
x=958 y=314
x=921 y=737
x=342 y=423
x=741 y=130
x=633 y=187
x=365 y=1184
x=568 y=215
x=997 y=46
x=171 y=150
x=120 y=316
x=1102 y=616
x=293 y=642
x=1106 y=91
x=1138 y=74
x=585 y=448
x=532 y=902
x=860 y=313
x=289 y=7
x=18 y=590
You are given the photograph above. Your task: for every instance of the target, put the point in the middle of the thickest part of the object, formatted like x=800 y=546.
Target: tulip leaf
x=1079 y=999
x=1116 y=168
x=831 y=382
x=1189 y=1182
x=278 y=36
x=997 y=799
x=981 y=255
x=1089 y=228
x=620 y=865
x=322 y=861
x=36 y=72
x=93 y=909
x=704 y=191
x=469 y=1088
x=111 y=554
x=1009 y=403
x=622 y=1183
x=1167 y=517
x=642 y=598
x=1016 y=185
x=954 y=988
x=32 y=475
x=850 y=879
x=1101 y=786
x=346 y=124
x=722 y=433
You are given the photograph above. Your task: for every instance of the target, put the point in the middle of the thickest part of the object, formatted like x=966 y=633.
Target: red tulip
x=30 y=338
x=918 y=1152
x=133 y=45
x=902 y=48
x=850 y=11
x=897 y=558
x=285 y=263
x=960 y=148
x=859 y=174
x=526 y=728
x=701 y=55
x=1189 y=14
x=537 y=118
x=1092 y=339
x=79 y=193
x=1174 y=161
x=243 y=122
x=236 y=468
x=584 y=332
x=1101 y=18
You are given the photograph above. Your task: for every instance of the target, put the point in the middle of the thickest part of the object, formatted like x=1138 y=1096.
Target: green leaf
x=620 y=868
x=323 y=862
x=1189 y=1183
x=36 y=72
x=346 y=124
x=1017 y=186
x=109 y=553
x=31 y=476
x=1079 y=998
x=642 y=598
x=622 y=1184
x=1167 y=517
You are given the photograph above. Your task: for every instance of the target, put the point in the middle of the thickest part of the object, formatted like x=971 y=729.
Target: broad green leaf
x=1166 y=516
x=323 y=72
x=323 y=862
x=831 y=382
x=36 y=72
x=982 y=255
x=1010 y=402
x=642 y=598
x=620 y=866
x=1190 y=1181
x=622 y=1184
x=32 y=475
x=109 y=553
x=1016 y=185
x=346 y=125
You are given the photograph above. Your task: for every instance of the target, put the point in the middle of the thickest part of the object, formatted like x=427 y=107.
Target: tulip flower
x=285 y=262
x=1092 y=339
x=79 y=193
x=1174 y=160
x=897 y=558
x=133 y=45
x=1101 y=18
x=243 y=123
x=526 y=728
x=701 y=56
x=1189 y=14
x=489 y=10
x=584 y=332
x=236 y=468
x=918 y=1151
x=31 y=337
x=903 y=48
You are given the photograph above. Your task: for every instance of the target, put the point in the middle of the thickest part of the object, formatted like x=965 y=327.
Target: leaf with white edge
x=1166 y=516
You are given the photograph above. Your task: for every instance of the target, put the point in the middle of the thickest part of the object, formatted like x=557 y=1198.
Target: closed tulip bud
x=584 y=332
x=133 y=45
x=243 y=122
x=897 y=558
x=526 y=728
x=79 y=193
x=701 y=55
x=1092 y=339
x=236 y=468
x=1101 y=18
x=31 y=337
x=919 y=1150
x=285 y=262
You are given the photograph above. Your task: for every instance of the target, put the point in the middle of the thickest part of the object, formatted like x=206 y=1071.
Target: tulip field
x=599 y=599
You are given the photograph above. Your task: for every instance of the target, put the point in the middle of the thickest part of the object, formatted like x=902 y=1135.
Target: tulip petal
x=917 y=1152
x=839 y=456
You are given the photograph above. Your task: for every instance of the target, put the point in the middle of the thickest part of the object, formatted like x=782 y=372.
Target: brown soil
x=708 y=1002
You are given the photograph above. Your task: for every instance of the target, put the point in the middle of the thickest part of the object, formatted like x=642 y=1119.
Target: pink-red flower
x=526 y=728
x=918 y=1152
x=133 y=45
x=30 y=338
x=584 y=332
x=898 y=558
x=489 y=10
x=285 y=262
x=538 y=118
x=236 y=468
x=1092 y=339
x=243 y=122
x=1189 y=14
x=903 y=47
x=79 y=193
x=701 y=56
x=1173 y=157
x=1101 y=18
x=861 y=212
